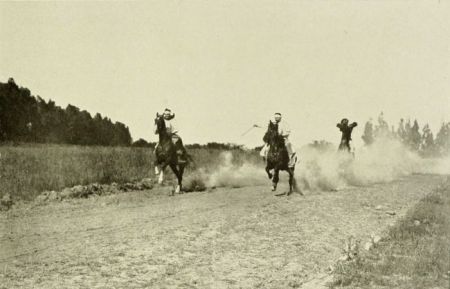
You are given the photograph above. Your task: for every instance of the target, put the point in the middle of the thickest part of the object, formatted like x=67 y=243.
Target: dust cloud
x=227 y=174
x=385 y=160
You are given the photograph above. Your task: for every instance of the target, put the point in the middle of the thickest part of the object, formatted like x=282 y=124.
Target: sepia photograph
x=225 y=144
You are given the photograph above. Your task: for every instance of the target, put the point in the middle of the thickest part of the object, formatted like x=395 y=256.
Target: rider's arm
x=174 y=127
x=285 y=131
x=354 y=124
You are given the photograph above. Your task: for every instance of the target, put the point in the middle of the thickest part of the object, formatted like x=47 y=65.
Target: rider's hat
x=168 y=110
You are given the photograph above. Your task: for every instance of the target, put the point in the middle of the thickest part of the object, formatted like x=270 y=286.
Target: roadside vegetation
x=414 y=254
x=29 y=169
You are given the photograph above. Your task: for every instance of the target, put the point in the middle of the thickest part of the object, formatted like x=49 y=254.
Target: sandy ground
x=224 y=238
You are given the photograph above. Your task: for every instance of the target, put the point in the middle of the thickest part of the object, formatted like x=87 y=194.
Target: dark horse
x=166 y=154
x=278 y=158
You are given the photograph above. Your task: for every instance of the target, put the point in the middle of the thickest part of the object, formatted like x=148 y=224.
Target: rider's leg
x=291 y=153
x=176 y=142
x=264 y=151
x=181 y=150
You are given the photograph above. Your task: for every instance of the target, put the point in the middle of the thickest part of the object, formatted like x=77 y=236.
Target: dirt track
x=225 y=238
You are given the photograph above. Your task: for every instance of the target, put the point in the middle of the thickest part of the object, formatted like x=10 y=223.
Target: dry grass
x=27 y=170
x=415 y=253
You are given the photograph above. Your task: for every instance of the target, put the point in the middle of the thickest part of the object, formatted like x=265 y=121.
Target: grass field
x=27 y=170
x=414 y=254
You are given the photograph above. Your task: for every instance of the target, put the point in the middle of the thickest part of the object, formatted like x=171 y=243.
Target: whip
x=252 y=127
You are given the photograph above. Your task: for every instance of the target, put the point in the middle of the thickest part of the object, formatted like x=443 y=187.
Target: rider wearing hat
x=172 y=131
x=284 y=131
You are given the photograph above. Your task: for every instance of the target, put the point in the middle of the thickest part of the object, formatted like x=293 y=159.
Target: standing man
x=346 y=137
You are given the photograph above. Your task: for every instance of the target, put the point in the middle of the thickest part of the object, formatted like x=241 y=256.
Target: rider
x=172 y=131
x=346 y=130
x=284 y=131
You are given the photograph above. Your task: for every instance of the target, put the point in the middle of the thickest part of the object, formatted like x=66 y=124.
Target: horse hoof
x=274 y=188
x=270 y=176
x=177 y=190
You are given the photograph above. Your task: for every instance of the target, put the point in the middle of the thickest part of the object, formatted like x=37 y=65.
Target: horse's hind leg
x=291 y=181
x=178 y=175
x=293 y=186
x=275 y=179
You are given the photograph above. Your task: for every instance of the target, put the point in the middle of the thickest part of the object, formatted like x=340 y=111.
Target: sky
x=223 y=66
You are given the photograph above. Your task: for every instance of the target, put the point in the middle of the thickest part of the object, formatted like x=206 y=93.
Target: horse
x=166 y=155
x=278 y=159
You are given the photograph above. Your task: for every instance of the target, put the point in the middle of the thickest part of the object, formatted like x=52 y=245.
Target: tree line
x=411 y=135
x=26 y=118
x=211 y=145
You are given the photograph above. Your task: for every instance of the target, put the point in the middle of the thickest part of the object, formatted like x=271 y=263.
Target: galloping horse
x=278 y=158
x=166 y=154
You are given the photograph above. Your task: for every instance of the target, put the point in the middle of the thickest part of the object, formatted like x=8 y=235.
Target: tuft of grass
x=27 y=170
x=415 y=253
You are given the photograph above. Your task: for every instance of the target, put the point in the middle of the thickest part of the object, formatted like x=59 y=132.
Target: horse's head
x=160 y=124
x=272 y=137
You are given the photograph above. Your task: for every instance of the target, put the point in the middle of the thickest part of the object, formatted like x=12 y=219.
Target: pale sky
x=225 y=65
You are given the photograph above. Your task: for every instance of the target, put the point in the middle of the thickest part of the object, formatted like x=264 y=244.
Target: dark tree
x=443 y=139
x=368 y=136
x=25 y=118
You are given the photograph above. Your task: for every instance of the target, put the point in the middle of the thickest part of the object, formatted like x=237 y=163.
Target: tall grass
x=414 y=254
x=27 y=170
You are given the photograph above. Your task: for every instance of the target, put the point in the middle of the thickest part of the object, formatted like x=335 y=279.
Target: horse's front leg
x=159 y=171
x=291 y=181
x=275 y=179
x=161 y=176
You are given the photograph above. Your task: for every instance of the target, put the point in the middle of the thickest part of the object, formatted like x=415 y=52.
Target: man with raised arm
x=346 y=137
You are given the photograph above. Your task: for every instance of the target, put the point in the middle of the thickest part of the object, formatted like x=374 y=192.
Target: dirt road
x=224 y=238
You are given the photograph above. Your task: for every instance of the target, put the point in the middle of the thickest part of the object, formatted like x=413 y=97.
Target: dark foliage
x=26 y=118
x=142 y=143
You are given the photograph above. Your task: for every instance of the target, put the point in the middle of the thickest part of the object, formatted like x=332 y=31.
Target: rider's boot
x=292 y=160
